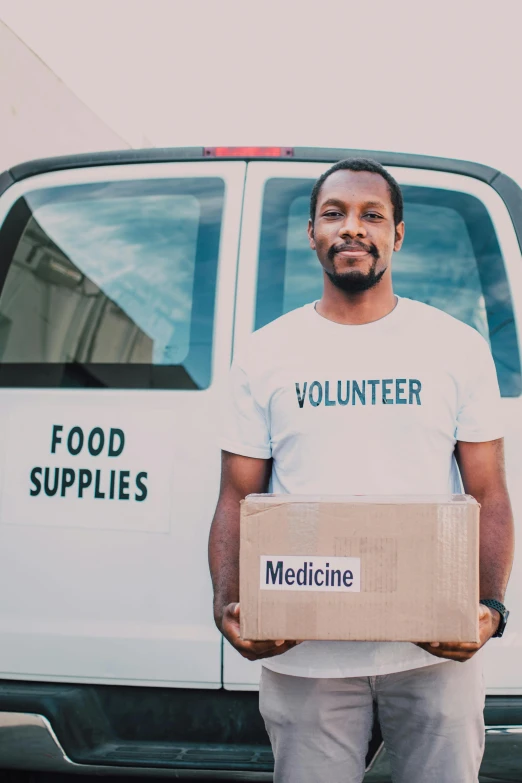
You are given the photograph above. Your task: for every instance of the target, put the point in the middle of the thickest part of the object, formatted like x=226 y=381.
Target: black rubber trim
x=173 y=755
x=431 y=162
x=511 y=195
x=507 y=188
x=503 y=711
x=6 y=180
x=112 y=158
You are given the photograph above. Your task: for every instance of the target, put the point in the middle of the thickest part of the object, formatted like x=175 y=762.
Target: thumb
x=483 y=612
x=234 y=610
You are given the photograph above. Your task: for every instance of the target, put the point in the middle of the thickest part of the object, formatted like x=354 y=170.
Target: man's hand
x=240 y=476
x=489 y=620
x=254 y=651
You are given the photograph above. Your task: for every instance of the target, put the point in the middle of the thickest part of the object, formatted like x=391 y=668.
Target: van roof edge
x=304 y=154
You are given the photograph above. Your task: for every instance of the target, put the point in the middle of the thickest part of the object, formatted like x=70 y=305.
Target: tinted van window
x=450 y=259
x=111 y=285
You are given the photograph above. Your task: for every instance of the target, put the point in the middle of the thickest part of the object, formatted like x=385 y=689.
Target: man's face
x=354 y=234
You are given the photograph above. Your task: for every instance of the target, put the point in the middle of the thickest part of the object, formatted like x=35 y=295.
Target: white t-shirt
x=372 y=409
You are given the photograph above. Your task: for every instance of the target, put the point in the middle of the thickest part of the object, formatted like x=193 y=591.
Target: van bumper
x=28 y=742
x=184 y=733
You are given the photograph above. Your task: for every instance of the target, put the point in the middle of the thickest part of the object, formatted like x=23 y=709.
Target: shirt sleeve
x=244 y=427
x=480 y=416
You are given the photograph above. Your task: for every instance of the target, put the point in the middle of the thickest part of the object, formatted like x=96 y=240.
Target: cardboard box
x=360 y=568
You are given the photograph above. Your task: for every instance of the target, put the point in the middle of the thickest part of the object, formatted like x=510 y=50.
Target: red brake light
x=248 y=152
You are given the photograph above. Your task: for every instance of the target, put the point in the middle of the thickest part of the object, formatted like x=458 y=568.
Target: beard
x=354 y=282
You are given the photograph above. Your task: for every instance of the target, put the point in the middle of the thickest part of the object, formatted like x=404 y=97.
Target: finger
x=254 y=654
x=269 y=645
x=258 y=648
x=232 y=612
x=278 y=650
x=270 y=642
x=455 y=646
x=234 y=609
x=437 y=652
x=230 y=628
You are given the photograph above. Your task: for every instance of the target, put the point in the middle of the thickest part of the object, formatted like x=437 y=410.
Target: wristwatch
x=491 y=603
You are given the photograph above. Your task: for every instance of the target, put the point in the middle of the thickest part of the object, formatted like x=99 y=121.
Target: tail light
x=248 y=152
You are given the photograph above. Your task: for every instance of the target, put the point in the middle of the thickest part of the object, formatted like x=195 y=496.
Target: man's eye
x=373 y=215
x=331 y=213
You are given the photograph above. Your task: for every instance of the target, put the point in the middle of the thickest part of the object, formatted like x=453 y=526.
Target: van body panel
x=97 y=601
x=110 y=589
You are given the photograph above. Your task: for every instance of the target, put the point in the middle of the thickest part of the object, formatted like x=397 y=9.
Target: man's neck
x=360 y=308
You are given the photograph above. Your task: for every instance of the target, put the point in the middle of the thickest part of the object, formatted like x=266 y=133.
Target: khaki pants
x=431 y=720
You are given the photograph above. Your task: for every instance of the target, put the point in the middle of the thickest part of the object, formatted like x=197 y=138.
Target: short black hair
x=361 y=164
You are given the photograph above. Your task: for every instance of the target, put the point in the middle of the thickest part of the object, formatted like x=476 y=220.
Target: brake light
x=248 y=152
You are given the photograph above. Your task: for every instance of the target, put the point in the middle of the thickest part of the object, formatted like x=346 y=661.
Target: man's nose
x=352 y=227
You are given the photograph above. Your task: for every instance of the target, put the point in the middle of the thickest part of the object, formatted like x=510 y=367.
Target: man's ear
x=399 y=236
x=311 y=234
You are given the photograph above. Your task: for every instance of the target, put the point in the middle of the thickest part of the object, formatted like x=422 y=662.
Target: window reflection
x=113 y=274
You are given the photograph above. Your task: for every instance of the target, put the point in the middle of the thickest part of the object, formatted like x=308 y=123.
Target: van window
x=111 y=285
x=450 y=259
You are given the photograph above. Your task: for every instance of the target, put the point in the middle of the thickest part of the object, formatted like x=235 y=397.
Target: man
x=317 y=697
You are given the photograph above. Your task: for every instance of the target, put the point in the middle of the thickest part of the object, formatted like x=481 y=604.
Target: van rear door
x=460 y=254
x=116 y=315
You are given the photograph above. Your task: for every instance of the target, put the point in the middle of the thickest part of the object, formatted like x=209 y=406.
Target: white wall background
x=440 y=78
x=39 y=115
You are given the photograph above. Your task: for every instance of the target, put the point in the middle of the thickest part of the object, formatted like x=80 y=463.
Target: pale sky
x=442 y=78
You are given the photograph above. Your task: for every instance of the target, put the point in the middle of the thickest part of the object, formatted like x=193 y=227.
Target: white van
x=127 y=281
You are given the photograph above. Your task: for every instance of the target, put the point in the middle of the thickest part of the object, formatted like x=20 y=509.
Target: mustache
x=371 y=249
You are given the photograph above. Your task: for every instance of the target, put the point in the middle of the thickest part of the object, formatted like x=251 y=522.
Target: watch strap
x=492 y=603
